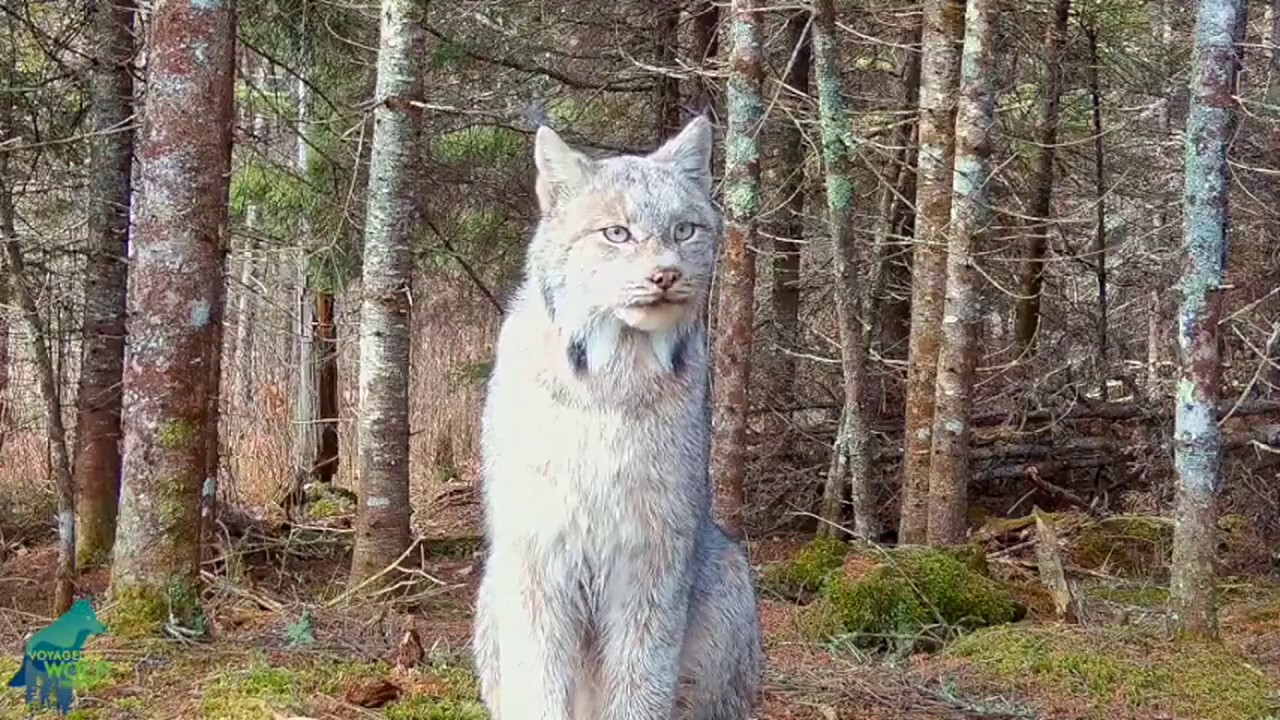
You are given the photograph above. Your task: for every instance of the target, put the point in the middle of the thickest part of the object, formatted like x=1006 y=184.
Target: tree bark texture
x=785 y=293
x=1099 y=250
x=97 y=452
x=667 y=89
x=942 y=32
x=213 y=437
x=1272 y=375
x=382 y=441
x=731 y=351
x=851 y=452
x=949 y=468
x=306 y=432
x=4 y=357
x=1031 y=274
x=891 y=270
x=174 y=304
x=1197 y=438
x=325 y=335
x=706 y=46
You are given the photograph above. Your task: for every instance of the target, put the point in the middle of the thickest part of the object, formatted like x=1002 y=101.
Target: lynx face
x=628 y=237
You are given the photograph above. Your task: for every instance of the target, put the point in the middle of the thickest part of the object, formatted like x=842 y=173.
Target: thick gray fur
x=609 y=593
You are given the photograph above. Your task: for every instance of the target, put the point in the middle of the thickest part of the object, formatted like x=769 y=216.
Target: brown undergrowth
x=285 y=642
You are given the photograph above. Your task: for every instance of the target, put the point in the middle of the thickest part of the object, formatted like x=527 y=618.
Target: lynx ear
x=690 y=152
x=561 y=169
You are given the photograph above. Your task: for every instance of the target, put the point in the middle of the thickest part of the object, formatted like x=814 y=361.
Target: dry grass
x=453 y=330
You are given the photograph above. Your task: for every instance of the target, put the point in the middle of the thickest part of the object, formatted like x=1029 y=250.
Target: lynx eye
x=617 y=234
x=683 y=231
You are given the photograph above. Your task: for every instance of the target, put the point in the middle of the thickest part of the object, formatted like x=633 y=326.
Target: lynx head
x=626 y=239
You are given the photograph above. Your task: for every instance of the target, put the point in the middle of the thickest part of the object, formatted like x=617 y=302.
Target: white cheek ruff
x=600 y=343
x=599 y=346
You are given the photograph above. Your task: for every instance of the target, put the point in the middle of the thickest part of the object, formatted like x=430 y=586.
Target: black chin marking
x=548 y=297
x=577 y=354
x=678 y=352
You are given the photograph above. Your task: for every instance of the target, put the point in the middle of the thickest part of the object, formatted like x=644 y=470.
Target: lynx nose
x=665 y=278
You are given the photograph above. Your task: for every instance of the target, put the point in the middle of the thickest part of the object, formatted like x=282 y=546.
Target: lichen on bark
x=943 y=28
x=949 y=467
x=1197 y=439
x=735 y=311
x=177 y=268
x=851 y=451
x=97 y=451
x=382 y=439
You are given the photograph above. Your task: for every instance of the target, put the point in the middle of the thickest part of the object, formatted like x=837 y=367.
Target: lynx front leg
x=644 y=621
x=527 y=639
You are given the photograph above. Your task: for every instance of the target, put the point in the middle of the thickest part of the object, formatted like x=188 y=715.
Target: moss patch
x=324 y=502
x=136 y=611
x=807 y=571
x=912 y=595
x=1130 y=545
x=1145 y=596
x=263 y=688
x=421 y=707
x=141 y=610
x=175 y=434
x=1113 y=670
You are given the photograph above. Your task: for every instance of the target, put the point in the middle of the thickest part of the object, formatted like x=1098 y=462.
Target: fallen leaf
x=372 y=694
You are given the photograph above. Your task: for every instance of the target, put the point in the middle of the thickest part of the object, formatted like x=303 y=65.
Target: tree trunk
x=940 y=64
x=785 y=293
x=851 y=453
x=213 y=437
x=97 y=453
x=325 y=334
x=4 y=357
x=949 y=468
x=1197 y=439
x=1273 y=68
x=706 y=45
x=306 y=430
x=6 y=291
x=1100 y=223
x=382 y=443
x=65 y=583
x=305 y=411
x=1170 y=92
x=1271 y=377
x=890 y=270
x=1155 y=337
x=1031 y=275
x=666 y=36
x=174 y=305
x=731 y=349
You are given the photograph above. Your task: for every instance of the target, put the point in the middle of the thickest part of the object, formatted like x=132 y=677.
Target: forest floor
x=286 y=644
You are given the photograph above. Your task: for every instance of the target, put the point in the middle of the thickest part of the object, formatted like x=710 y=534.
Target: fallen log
x=1030 y=451
x=1022 y=470
x=1116 y=411
x=1083 y=411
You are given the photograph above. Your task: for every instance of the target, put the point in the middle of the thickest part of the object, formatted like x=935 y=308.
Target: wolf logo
x=52 y=656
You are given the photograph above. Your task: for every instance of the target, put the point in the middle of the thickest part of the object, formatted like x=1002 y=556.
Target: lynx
x=608 y=592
